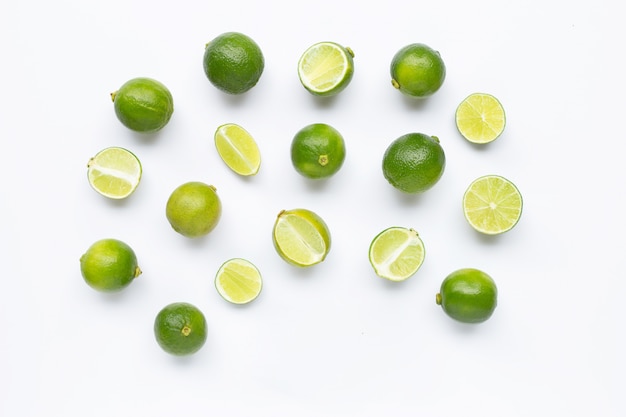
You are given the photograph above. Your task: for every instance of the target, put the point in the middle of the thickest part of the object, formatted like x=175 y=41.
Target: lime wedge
x=326 y=68
x=480 y=118
x=238 y=281
x=492 y=204
x=396 y=253
x=114 y=172
x=238 y=149
x=301 y=237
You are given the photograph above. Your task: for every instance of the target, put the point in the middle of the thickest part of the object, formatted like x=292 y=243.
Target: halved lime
x=396 y=253
x=238 y=281
x=114 y=172
x=480 y=118
x=326 y=68
x=301 y=237
x=492 y=204
x=238 y=149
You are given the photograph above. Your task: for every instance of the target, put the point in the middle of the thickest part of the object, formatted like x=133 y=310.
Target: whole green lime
x=318 y=151
x=468 y=295
x=233 y=62
x=180 y=329
x=109 y=265
x=414 y=162
x=417 y=70
x=143 y=105
x=193 y=209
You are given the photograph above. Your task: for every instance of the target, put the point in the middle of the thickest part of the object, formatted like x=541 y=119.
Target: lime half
x=301 y=237
x=114 y=172
x=238 y=149
x=238 y=281
x=480 y=118
x=326 y=68
x=492 y=204
x=396 y=253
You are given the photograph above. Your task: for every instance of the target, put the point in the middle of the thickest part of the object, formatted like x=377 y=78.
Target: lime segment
x=238 y=281
x=238 y=149
x=492 y=204
x=114 y=172
x=301 y=237
x=326 y=68
x=480 y=118
x=396 y=253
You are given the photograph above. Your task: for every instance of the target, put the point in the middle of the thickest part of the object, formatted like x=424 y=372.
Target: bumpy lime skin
x=180 y=329
x=233 y=62
x=194 y=209
x=468 y=295
x=318 y=151
x=417 y=70
x=109 y=265
x=143 y=105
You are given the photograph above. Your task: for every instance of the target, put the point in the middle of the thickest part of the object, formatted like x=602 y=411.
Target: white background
x=333 y=340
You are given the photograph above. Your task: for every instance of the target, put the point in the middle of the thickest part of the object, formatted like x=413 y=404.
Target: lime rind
x=238 y=281
x=396 y=253
x=238 y=149
x=492 y=204
x=326 y=68
x=114 y=172
x=480 y=118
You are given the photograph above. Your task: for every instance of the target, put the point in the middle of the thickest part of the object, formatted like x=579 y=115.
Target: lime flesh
x=301 y=237
x=492 y=204
x=238 y=149
x=326 y=68
x=114 y=172
x=396 y=253
x=238 y=281
x=480 y=118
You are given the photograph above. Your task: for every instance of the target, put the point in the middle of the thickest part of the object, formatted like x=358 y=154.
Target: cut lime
x=492 y=204
x=114 y=172
x=480 y=118
x=326 y=68
x=238 y=149
x=396 y=253
x=301 y=237
x=238 y=281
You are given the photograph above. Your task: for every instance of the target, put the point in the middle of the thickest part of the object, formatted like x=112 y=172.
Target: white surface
x=333 y=340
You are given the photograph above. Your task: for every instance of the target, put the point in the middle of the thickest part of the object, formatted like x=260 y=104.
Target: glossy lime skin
x=468 y=295
x=414 y=163
x=233 y=62
x=109 y=265
x=318 y=151
x=180 y=329
x=417 y=70
x=143 y=105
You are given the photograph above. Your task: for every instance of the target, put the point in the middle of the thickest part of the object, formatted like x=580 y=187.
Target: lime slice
x=396 y=253
x=114 y=172
x=238 y=149
x=301 y=237
x=238 y=281
x=492 y=204
x=480 y=118
x=326 y=68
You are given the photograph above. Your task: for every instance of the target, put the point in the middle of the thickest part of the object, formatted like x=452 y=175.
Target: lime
x=143 y=105
x=238 y=149
x=318 y=151
x=301 y=237
x=109 y=265
x=396 y=253
x=114 y=172
x=414 y=162
x=468 y=295
x=480 y=118
x=180 y=329
x=326 y=68
x=492 y=204
x=193 y=209
x=417 y=70
x=238 y=281
x=233 y=62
